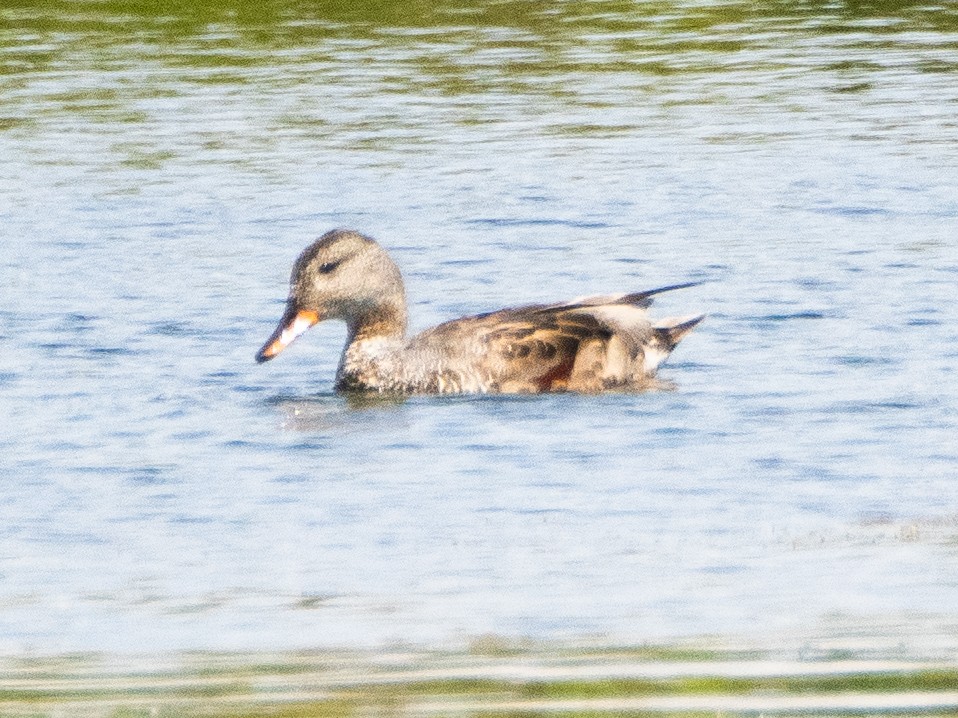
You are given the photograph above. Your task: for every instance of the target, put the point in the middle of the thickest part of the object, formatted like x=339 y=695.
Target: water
x=161 y=170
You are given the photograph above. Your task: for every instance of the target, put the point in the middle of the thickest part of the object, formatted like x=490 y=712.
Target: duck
x=588 y=345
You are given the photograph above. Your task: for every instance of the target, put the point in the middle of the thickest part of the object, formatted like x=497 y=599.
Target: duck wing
x=590 y=344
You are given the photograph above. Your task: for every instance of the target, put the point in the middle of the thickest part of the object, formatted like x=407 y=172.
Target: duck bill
x=294 y=322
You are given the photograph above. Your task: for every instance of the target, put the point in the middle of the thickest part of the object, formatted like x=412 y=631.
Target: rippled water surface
x=161 y=170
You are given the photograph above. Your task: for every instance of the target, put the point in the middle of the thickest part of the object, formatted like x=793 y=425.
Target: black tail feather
x=671 y=334
x=644 y=299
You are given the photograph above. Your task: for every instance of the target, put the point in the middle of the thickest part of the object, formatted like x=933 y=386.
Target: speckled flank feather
x=591 y=344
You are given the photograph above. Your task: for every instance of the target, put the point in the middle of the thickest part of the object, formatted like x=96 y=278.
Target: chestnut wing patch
x=538 y=349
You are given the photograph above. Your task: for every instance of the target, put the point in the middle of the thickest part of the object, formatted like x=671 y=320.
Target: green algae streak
x=505 y=680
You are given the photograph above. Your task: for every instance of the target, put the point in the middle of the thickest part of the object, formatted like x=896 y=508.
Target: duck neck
x=386 y=320
x=373 y=349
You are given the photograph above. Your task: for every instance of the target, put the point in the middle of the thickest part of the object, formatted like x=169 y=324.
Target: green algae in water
x=495 y=677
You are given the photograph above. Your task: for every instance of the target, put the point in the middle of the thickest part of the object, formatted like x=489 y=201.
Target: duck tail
x=670 y=331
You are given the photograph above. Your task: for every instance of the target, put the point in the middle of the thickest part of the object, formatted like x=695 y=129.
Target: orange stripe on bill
x=293 y=324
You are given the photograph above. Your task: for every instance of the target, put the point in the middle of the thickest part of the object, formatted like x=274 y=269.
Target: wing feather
x=587 y=345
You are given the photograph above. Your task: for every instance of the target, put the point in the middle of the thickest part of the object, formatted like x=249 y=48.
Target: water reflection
x=495 y=675
x=322 y=413
x=161 y=165
x=464 y=47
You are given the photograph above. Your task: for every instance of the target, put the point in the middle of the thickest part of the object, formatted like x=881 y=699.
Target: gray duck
x=592 y=344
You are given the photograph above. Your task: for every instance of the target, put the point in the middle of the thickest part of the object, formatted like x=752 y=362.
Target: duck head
x=342 y=275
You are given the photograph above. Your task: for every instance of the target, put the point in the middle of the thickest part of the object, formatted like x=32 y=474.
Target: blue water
x=161 y=491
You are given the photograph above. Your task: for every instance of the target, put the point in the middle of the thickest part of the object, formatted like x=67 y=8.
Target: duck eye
x=328 y=267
